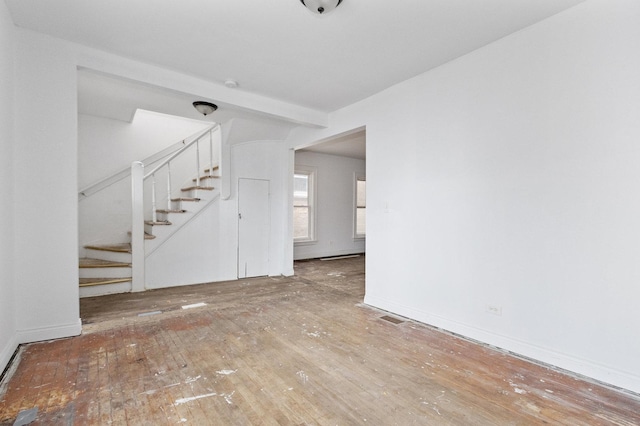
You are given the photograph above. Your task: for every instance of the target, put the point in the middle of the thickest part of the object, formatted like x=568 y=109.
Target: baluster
x=153 y=198
x=210 y=153
x=168 y=186
x=197 y=168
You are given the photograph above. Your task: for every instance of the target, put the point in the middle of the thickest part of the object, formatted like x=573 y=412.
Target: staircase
x=107 y=268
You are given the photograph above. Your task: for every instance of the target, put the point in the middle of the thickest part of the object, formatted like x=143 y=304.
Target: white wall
x=509 y=178
x=45 y=198
x=107 y=146
x=334 y=205
x=191 y=255
x=8 y=341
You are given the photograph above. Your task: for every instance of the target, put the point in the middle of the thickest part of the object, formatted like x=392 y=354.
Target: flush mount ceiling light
x=321 y=6
x=231 y=83
x=205 y=107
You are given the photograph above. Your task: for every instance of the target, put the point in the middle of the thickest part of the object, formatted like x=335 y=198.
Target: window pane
x=361 y=193
x=302 y=226
x=361 y=219
x=300 y=190
x=361 y=207
x=300 y=222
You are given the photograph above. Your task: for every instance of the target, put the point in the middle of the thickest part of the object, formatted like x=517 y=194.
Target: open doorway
x=329 y=199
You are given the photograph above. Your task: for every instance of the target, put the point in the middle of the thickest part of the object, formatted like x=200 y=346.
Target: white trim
x=7 y=352
x=593 y=370
x=49 y=333
x=330 y=253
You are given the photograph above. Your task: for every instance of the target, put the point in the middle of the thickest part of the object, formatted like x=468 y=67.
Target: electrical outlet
x=495 y=310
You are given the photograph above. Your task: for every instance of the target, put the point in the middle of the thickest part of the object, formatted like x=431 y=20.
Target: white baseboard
x=319 y=254
x=7 y=352
x=49 y=333
x=599 y=372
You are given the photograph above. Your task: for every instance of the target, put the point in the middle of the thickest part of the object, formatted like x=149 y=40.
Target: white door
x=253 y=228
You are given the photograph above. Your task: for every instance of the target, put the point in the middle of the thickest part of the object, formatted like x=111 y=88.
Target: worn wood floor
x=286 y=351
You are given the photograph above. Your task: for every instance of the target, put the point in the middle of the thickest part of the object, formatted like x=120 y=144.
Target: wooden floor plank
x=281 y=351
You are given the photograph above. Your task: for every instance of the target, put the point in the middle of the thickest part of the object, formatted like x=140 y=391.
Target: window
x=361 y=207
x=303 y=205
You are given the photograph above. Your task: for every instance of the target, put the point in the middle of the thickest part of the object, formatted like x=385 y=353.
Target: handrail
x=106 y=182
x=124 y=173
x=178 y=152
x=138 y=178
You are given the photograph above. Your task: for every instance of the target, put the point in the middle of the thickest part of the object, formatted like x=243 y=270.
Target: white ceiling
x=279 y=49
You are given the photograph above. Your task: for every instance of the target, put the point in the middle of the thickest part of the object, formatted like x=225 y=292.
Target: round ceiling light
x=205 y=108
x=321 y=6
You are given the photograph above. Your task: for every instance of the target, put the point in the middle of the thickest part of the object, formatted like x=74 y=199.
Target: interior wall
x=45 y=197
x=334 y=206
x=502 y=192
x=191 y=255
x=7 y=280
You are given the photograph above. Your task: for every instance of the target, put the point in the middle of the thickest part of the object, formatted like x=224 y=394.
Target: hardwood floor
x=281 y=351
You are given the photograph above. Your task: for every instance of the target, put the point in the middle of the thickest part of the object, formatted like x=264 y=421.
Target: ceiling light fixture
x=205 y=108
x=321 y=6
x=231 y=83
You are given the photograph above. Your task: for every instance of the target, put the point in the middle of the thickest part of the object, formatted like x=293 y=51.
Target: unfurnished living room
x=320 y=212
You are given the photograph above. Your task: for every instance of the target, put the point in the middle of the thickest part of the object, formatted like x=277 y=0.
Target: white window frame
x=311 y=172
x=357 y=177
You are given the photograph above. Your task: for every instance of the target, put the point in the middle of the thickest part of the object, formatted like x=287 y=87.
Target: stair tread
x=120 y=248
x=86 y=282
x=186 y=199
x=191 y=188
x=87 y=262
x=147 y=236
x=158 y=222
x=171 y=211
x=214 y=169
x=207 y=177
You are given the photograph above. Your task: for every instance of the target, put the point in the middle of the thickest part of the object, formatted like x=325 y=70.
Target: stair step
x=191 y=188
x=100 y=288
x=112 y=252
x=157 y=222
x=212 y=170
x=165 y=211
x=88 y=282
x=87 y=262
x=147 y=236
x=120 y=248
x=186 y=199
x=207 y=177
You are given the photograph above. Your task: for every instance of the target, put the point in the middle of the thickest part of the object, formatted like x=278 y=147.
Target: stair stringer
x=163 y=233
x=188 y=254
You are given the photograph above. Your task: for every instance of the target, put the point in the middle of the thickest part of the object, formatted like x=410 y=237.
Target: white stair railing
x=162 y=170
